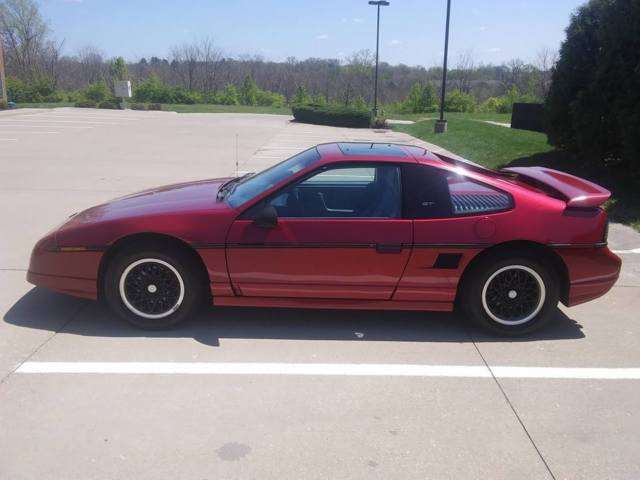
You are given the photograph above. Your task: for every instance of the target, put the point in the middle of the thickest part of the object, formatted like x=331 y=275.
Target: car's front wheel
x=510 y=296
x=152 y=289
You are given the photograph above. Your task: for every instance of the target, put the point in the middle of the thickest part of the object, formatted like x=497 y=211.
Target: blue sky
x=411 y=30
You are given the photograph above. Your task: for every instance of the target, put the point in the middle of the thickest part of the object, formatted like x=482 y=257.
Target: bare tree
x=91 y=65
x=462 y=75
x=546 y=59
x=24 y=34
x=185 y=62
x=210 y=57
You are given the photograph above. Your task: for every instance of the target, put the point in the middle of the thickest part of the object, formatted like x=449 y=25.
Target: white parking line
x=633 y=250
x=3 y=121
x=9 y=139
x=48 y=126
x=29 y=132
x=330 y=369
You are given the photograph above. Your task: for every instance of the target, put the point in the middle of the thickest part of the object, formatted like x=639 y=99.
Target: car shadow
x=44 y=310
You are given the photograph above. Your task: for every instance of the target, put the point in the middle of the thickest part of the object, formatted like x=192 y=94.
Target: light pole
x=3 y=86
x=378 y=3
x=441 y=124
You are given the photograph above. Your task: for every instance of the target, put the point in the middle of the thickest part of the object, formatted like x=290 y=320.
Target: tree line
x=39 y=70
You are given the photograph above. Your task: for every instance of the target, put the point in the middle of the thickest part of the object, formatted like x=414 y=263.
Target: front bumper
x=73 y=273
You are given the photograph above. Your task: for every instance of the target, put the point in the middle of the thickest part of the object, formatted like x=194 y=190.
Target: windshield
x=249 y=188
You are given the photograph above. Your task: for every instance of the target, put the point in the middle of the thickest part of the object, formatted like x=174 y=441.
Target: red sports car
x=343 y=225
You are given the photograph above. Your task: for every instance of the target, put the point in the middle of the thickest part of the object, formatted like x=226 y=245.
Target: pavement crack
x=71 y=318
x=513 y=409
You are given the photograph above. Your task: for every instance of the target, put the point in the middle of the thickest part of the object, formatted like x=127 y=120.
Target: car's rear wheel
x=153 y=289
x=509 y=296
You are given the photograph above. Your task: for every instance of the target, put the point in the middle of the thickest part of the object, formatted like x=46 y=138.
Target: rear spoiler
x=576 y=191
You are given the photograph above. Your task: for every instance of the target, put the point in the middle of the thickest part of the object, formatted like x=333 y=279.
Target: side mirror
x=266 y=217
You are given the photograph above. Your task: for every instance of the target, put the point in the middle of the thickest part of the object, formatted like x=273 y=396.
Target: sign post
x=122 y=89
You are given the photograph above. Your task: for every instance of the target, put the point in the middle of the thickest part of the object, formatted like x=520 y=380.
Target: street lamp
x=377 y=3
x=441 y=124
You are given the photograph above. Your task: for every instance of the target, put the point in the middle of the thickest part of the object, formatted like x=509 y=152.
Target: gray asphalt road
x=435 y=402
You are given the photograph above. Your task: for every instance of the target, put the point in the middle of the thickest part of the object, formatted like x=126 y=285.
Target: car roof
x=376 y=151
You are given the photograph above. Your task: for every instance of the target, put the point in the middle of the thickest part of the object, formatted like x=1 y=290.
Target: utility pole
x=3 y=79
x=378 y=3
x=441 y=124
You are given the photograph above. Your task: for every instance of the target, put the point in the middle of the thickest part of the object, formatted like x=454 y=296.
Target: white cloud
x=395 y=41
x=322 y=36
x=495 y=50
x=482 y=28
x=358 y=20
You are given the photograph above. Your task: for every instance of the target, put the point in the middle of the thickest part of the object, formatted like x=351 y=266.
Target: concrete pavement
x=139 y=426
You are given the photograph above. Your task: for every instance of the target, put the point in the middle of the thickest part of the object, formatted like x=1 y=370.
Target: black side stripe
x=203 y=246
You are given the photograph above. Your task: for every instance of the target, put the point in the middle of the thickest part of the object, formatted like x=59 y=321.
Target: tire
x=509 y=296
x=152 y=288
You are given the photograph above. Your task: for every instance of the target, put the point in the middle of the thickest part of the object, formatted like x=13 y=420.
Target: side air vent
x=464 y=204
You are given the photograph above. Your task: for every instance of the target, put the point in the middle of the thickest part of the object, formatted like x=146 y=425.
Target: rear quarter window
x=430 y=192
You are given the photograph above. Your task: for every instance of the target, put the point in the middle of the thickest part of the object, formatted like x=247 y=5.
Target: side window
x=350 y=192
x=430 y=192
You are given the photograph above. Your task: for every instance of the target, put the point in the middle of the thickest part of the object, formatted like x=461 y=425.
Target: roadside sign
x=122 y=88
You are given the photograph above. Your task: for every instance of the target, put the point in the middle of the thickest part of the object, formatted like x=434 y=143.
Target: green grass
x=496 y=146
x=45 y=105
x=208 y=108
x=494 y=117
x=480 y=142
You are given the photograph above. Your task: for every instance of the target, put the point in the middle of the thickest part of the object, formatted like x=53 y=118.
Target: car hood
x=197 y=196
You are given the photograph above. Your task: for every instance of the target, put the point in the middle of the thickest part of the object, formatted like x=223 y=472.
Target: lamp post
x=441 y=124
x=378 y=3
x=3 y=86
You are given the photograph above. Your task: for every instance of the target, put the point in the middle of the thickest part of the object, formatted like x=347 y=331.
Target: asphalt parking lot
x=282 y=394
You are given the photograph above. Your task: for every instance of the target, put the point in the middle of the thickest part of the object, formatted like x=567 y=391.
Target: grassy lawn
x=208 y=108
x=496 y=146
x=494 y=117
x=483 y=143
x=45 y=105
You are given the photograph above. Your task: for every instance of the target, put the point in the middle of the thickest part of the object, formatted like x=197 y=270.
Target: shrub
x=96 y=92
x=458 y=101
x=421 y=99
x=138 y=106
x=301 y=96
x=332 y=115
x=248 y=91
x=152 y=90
x=593 y=103
x=36 y=91
x=230 y=95
x=3 y=105
x=154 y=106
x=111 y=104
x=85 y=104
x=180 y=95
x=270 y=99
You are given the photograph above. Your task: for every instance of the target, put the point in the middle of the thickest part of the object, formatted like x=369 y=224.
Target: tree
x=420 y=99
x=249 y=91
x=24 y=34
x=301 y=97
x=118 y=69
x=593 y=103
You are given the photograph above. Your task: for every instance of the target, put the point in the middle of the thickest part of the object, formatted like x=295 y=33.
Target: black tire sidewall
x=471 y=301
x=193 y=290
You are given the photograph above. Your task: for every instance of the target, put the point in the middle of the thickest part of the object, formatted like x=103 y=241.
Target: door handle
x=388 y=248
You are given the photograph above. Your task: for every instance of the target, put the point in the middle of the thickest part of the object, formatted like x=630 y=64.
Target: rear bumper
x=592 y=272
